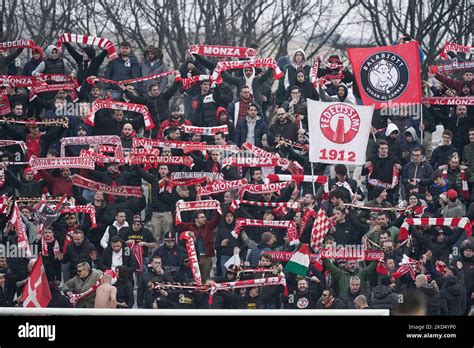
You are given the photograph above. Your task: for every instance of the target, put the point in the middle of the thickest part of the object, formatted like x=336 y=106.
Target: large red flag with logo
x=36 y=292
x=387 y=74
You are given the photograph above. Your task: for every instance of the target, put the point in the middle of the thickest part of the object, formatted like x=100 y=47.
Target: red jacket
x=206 y=232
x=171 y=123
x=454 y=84
x=60 y=186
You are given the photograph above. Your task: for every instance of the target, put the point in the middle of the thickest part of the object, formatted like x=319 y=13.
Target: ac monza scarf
x=19 y=81
x=99 y=158
x=196 y=175
x=210 y=204
x=264 y=188
x=166 y=184
x=78 y=297
x=205 y=130
x=464 y=185
x=127 y=191
x=193 y=259
x=59 y=78
x=22 y=239
x=306 y=215
x=87 y=209
x=319 y=179
x=451 y=67
x=222 y=51
x=137 y=250
x=140 y=151
x=449 y=101
x=191 y=81
x=155 y=160
x=105 y=44
x=242 y=64
x=453 y=47
x=226 y=148
x=19 y=143
x=351 y=253
x=221 y=186
x=21 y=43
x=250 y=283
x=34 y=90
x=407 y=265
x=60 y=162
x=242 y=161
x=116 y=105
x=288 y=224
x=377 y=182
x=96 y=140
x=377 y=209
x=149 y=143
x=292 y=166
x=2 y=177
x=236 y=203
x=460 y=222
x=93 y=80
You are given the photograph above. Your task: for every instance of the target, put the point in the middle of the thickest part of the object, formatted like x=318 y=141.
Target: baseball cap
x=137 y=218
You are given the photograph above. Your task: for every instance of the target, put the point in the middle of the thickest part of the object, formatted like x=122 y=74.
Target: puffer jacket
x=453 y=293
x=78 y=286
x=56 y=66
x=383 y=297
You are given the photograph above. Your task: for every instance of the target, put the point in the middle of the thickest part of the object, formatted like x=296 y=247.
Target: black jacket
x=76 y=254
x=144 y=294
x=453 y=293
x=125 y=292
x=128 y=259
x=86 y=69
x=383 y=298
x=435 y=304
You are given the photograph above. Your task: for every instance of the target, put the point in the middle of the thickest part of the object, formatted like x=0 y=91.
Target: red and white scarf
x=105 y=44
x=47 y=163
x=242 y=64
x=78 y=297
x=99 y=104
x=34 y=90
x=407 y=265
x=47 y=122
x=20 y=43
x=460 y=222
x=464 y=185
x=155 y=160
x=292 y=166
x=93 y=140
x=225 y=148
x=219 y=186
x=127 y=191
x=205 y=130
x=59 y=78
x=453 y=47
x=22 y=238
x=257 y=189
x=93 y=80
x=377 y=182
x=319 y=179
x=451 y=67
x=196 y=175
x=137 y=251
x=166 y=184
x=140 y=151
x=288 y=224
x=19 y=81
x=210 y=204
x=321 y=226
x=87 y=209
x=222 y=51
x=44 y=247
x=4 y=103
x=99 y=158
x=242 y=161
x=193 y=259
x=449 y=101
x=236 y=203
x=191 y=81
x=144 y=142
x=19 y=143
x=314 y=71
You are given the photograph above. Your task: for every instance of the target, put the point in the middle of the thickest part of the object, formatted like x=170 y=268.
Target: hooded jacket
x=307 y=88
x=394 y=145
x=453 y=293
x=441 y=154
x=121 y=69
x=383 y=297
x=290 y=77
x=154 y=67
x=348 y=96
x=33 y=64
x=53 y=66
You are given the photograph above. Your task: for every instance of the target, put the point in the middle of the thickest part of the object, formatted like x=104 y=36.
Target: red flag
x=387 y=73
x=36 y=292
x=321 y=227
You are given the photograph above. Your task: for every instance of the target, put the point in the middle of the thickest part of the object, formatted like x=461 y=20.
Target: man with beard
x=61 y=185
x=348 y=296
x=138 y=233
x=343 y=275
x=80 y=250
x=303 y=297
x=381 y=226
x=176 y=119
x=329 y=301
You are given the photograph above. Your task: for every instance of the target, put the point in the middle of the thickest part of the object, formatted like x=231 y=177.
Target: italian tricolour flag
x=299 y=262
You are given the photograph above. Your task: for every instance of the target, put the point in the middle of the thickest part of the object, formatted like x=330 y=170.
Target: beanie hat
x=451 y=194
x=27 y=170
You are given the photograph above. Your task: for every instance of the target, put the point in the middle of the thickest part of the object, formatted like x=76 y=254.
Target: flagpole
x=421 y=122
x=312 y=179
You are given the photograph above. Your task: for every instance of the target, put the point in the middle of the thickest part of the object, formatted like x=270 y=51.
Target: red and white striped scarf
x=377 y=182
x=99 y=104
x=205 y=130
x=191 y=81
x=144 y=142
x=460 y=222
x=34 y=90
x=127 y=191
x=407 y=265
x=314 y=71
x=74 y=298
x=193 y=259
x=454 y=47
x=137 y=250
x=242 y=64
x=256 y=189
x=319 y=179
x=210 y=204
x=44 y=247
x=59 y=78
x=288 y=224
x=222 y=51
x=20 y=43
x=93 y=140
x=292 y=166
x=93 y=80
x=47 y=163
x=87 y=209
x=156 y=160
x=225 y=148
x=99 y=158
x=219 y=186
x=105 y=44
x=236 y=203
x=22 y=238
x=464 y=185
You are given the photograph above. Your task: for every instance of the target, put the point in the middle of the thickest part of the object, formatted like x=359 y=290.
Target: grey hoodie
x=42 y=66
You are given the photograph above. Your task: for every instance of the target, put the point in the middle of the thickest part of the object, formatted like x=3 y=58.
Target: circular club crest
x=384 y=76
x=302 y=303
x=340 y=123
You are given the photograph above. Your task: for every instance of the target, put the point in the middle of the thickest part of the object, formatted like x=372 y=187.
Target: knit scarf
x=87 y=209
x=451 y=67
x=222 y=51
x=140 y=151
x=191 y=81
x=174 y=144
x=319 y=179
x=193 y=259
x=377 y=182
x=221 y=186
x=313 y=75
x=242 y=64
x=166 y=184
x=19 y=81
x=59 y=78
x=78 y=297
x=377 y=209
x=105 y=44
x=288 y=224
x=21 y=43
x=127 y=191
x=236 y=204
x=407 y=265
x=209 y=204
x=93 y=80
x=242 y=161
x=460 y=222
x=19 y=143
x=47 y=122
x=453 y=47
x=96 y=140
x=464 y=185
x=34 y=90
x=155 y=160
x=22 y=238
x=225 y=148
x=44 y=247
x=196 y=175
x=292 y=166
x=99 y=104
x=257 y=189
x=61 y=162
x=137 y=250
x=205 y=130
x=99 y=158
x=469 y=101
